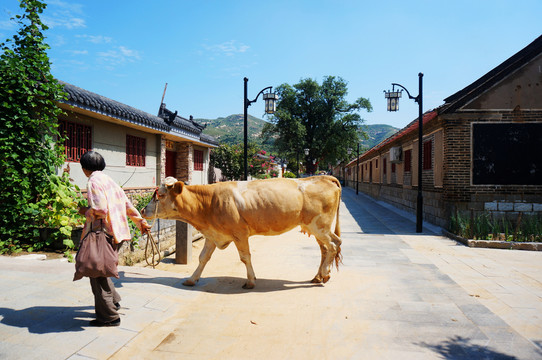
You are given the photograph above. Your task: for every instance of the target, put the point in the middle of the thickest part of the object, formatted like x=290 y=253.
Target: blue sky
x=129 y=50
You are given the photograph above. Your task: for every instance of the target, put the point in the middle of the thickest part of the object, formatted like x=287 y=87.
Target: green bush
x=289 y=174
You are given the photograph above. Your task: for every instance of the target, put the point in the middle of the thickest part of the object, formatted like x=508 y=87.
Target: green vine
x=33 y=197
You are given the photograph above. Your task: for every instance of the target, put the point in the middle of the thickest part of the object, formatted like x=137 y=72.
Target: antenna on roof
x=164 y=94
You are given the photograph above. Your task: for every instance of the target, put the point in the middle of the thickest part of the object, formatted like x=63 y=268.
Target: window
x=427 y=158
x=393 y=168
x=507 y=154
x=135 y=151
x=78 y=139
x=198 y=160
x=408 y=159
x=384 y=165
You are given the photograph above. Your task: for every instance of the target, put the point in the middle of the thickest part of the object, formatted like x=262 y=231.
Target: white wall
x=110 y=141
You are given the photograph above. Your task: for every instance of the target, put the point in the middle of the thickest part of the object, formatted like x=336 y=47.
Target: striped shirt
x=110 y=203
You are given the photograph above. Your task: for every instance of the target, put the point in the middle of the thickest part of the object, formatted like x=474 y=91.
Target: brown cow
x=233 y=211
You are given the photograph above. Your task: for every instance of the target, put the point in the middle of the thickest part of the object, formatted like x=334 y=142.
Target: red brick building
x=482 y=149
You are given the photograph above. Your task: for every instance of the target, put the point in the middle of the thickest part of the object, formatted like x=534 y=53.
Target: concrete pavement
x=398 y=295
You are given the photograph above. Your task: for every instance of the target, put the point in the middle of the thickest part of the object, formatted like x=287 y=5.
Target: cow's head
x=162 y=204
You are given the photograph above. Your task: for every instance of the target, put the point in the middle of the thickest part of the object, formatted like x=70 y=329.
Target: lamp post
x=349 y=151
x=270 y=107
x=393 y=105
x=357 y=173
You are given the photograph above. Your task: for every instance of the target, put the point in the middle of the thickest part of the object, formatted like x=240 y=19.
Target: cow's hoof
x=189 y=282
x=248 y=286
x=316 y=280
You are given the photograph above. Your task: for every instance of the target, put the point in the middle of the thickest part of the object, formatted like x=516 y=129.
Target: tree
x=316 y=117
x=229 y=159
x=31 y=194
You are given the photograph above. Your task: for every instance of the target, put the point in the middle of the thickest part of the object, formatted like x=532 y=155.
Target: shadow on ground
x=458 y=348
x=48 y=319
x=218 y=284
x=374 y=218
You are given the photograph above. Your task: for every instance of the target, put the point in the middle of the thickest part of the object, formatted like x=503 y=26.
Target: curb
x=493 y=244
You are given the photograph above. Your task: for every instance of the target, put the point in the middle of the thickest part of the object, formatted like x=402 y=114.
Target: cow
x=233 y=211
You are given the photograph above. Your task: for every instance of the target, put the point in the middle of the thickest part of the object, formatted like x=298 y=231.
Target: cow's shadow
x=226 y=285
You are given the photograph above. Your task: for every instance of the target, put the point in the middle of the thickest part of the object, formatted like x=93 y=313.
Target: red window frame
x=198 y=160
x=135 y=150
x=408 y=160
x=427 y=158
x=78 y=139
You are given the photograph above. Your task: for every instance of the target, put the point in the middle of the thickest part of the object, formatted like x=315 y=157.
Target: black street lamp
x=357 y=173
x=349 y=151
x=270 y=107
x=393 y=105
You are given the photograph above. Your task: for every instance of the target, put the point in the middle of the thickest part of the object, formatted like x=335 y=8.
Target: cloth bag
x=96 y=256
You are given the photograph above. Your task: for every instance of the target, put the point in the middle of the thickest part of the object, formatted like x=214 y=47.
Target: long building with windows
x=481 y=149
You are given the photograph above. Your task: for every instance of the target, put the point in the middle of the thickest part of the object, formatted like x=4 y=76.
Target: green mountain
x=376 y=134
x=229 y=130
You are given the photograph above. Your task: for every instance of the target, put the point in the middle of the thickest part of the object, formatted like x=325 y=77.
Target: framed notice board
x=507 y=154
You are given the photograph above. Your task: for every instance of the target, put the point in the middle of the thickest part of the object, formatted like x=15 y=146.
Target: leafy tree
x=229 y=159
x=317 y=117
x=31 y=195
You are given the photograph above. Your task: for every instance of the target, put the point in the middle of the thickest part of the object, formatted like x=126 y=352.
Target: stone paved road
x=398 y=295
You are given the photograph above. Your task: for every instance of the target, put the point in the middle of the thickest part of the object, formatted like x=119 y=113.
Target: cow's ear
x=178 y=187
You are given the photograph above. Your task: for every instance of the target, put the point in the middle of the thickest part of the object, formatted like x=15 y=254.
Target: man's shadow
x=48 y=319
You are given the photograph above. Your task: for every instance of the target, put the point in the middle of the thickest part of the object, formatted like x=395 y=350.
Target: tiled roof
x=88 y=100
x=91 y=101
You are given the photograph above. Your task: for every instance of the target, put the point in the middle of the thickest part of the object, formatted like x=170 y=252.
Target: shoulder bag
x=97 y=256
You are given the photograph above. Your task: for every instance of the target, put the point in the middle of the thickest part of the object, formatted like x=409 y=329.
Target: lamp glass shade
x=393 y=100
x=307 y=151
x=270 y=105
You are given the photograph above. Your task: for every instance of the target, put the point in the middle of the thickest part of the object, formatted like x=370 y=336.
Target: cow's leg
x=244 y=255
x=318 y=279
x=329 y=245
x=208 y=249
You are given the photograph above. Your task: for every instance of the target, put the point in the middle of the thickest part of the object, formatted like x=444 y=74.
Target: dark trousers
x=105 y=297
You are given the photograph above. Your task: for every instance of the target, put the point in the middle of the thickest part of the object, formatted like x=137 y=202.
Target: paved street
x=398 y=295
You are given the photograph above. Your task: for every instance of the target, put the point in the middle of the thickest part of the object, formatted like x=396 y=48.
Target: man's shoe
x=101 y=323
x=117 y=305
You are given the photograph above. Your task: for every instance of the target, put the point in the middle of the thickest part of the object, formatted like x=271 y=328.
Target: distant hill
x=377 y=133
x=229 y=130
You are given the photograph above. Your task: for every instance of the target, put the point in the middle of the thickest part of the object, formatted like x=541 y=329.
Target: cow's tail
x=337 y=240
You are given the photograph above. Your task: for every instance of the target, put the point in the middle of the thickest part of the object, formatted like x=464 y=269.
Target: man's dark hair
x=92 y=161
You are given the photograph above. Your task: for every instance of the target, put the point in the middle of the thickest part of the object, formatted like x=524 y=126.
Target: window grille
x=408 y=160
x=198 y=160
x=78 y=139
x=135 y=150
x=427 y=148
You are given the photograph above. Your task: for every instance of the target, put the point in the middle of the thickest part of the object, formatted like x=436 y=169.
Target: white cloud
x=64 y=14
x=96 y=39
x=8 y=25
x=118 y=56
x=77 y=52
x=228 y=48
